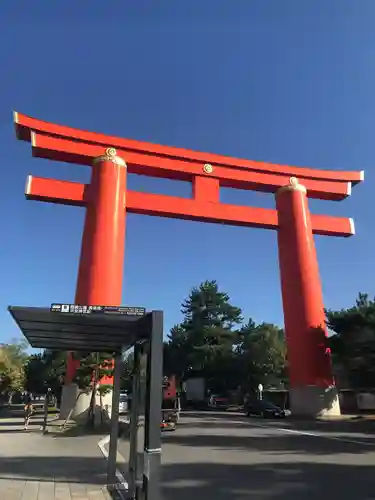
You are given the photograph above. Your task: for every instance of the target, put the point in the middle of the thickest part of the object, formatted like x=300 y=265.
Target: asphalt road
x=223 y=456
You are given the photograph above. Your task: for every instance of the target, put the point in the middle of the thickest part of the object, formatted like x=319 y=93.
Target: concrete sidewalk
x=34 y=466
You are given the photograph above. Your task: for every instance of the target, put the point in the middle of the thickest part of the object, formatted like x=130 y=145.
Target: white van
x=123 y=404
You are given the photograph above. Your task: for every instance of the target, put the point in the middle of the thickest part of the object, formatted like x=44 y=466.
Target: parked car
x=264 y=409
x=218 y=401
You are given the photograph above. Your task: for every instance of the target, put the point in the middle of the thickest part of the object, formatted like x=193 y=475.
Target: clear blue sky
x=286 y=81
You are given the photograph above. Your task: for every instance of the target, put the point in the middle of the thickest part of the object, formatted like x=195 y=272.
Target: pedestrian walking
x=28 y=409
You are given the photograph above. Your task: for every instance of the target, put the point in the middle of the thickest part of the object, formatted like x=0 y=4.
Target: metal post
x=154 y=387
x=134 y=415
x=112 y=452
x=260 y=391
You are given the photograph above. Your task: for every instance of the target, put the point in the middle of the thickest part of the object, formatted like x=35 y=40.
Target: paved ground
x=230 y=457
x=213 y=456
x=37 y=467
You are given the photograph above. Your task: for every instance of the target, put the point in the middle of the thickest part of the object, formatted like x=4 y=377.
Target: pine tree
x=353 y=342
x=203 y=342
x=262 y=355
x=92 y=369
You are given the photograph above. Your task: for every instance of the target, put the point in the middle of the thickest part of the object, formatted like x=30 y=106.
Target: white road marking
x=313 y=434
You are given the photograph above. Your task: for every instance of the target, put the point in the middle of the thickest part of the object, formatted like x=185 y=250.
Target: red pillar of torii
x=107 y=201
x=103 y=239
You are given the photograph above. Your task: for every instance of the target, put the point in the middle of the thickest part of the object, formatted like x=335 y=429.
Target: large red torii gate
x=107 y=201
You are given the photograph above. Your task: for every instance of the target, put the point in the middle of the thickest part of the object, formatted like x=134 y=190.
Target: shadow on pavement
x=210 y=481
x=5 y=423
x=91 y=470
x=18 y=423
x=269 y=440
x=21 y=431
x=220 y=420
x=276 y=481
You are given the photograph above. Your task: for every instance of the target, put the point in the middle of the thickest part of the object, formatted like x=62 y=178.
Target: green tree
x=261 y=351
x=353 y=341
x=177 y=351
x=203 y=343
x=92 y=369
x=13 y=358
x=35 y=374
x=45 y=370
x=210 y=342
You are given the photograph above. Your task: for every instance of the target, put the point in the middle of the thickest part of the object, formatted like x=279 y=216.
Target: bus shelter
x=106 y=329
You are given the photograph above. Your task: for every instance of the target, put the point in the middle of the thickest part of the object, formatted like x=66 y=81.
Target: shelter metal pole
x=134 y=416
x=154 y=388
x=112 y=452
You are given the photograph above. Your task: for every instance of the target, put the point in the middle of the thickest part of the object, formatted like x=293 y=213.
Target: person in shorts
x=28 y=409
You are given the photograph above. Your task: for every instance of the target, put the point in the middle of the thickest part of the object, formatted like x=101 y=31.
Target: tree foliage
x=205 y=336
x=45 y=370
x=13 y=358
x=353 y=342
x=93 y=368
x=210 y=342
x=261 y=350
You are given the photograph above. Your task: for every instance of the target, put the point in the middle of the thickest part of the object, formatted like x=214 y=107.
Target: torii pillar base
x=75 y=405
x=71 y=405
x=313 y=401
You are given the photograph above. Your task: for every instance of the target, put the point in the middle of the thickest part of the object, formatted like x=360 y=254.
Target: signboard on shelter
x=86 y=309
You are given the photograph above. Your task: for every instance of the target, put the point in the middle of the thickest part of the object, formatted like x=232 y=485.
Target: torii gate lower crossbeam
x=107 y=201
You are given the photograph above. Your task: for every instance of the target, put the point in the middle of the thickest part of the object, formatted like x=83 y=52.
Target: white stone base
x=313 y=401
x=81 y=405
x=68 y=398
